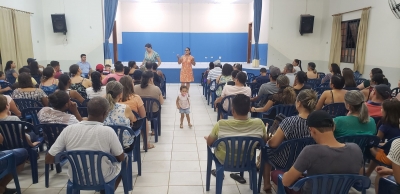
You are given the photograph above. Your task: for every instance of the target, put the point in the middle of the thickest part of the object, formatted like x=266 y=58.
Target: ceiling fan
x=395 y=7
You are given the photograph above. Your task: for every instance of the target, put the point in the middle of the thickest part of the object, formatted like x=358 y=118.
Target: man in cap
x=380 y=93
x=328 y=156
x=268 y=88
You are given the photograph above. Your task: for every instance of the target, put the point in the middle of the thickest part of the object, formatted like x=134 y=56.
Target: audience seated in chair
x=328 y=156
x=238 y=66
x=300 y=82
x=28 y=71
x=49 y=83
x=225 y=77
x=137 y=77
x=394 y=157
x=348 y=76
x=294 y=127
x=238 y=88
x=134 y=101
x=132 y=68
x=60 y=103
x=79 y=83
x=297 y=65
x=214 y=73
x=233 y=75
x=31 y=137
x=336 y=95
x=270 y=87
x=3 y=79
x=312 y=73
x=334 y=69
x=285 y=95
x=147 y=89
x=377 y=79
x=13 y=107
x=96 y=89
x=36 y=73
x=119 y=114
x=367 y=83
x=91 y=135
x=57 y=69
x=389 y=129
x=156 y=77
x=357 y=121
x=9 y=70
x=240 y=125
x=289 y=72
x=379 y=93
x=119 y=72
x=263 y=78
x=21 y=155
x=26 y=90
x=64 y=82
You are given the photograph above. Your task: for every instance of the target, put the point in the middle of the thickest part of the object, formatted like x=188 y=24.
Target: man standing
x=85 y=66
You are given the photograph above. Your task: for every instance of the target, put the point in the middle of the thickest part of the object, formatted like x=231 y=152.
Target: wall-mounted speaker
x=59 y=24
x=306 y=24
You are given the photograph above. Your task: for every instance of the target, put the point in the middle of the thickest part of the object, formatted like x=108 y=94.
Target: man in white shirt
x=289 y=72
x=91 y=135
x=238 y=88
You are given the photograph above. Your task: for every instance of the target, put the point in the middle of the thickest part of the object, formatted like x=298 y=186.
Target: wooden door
x=249 y=39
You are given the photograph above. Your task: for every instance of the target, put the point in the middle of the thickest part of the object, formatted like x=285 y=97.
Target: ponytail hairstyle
x=288 y=93
x=335 y=69
x=47 y=73
x=312 y=67
x=63 y=82
x=307 y=99
x=73 y=70
x=298 y=63
x=391 y=116
x=355 y=100
x=146 y=76
x=113 y=89
x=96 y=81
x=379 y=78
x=301 y=77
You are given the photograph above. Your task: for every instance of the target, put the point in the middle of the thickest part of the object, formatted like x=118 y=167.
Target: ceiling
x=193 y=1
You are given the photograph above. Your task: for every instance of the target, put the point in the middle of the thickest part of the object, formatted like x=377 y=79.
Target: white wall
x=85 y=34
x=38 y=37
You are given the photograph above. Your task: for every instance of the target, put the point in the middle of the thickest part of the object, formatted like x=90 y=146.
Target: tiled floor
x=177 y=165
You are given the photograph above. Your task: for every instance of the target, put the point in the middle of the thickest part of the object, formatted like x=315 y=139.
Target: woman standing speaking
x=150 y=56
x=187 y=61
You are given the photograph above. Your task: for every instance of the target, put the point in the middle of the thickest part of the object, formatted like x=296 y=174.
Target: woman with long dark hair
x=348 y=76
x=132 y=68
x=9 y=70
x=96 y=89
x=79 y=83
x=64 y=83
x=335 y=95
x=334 y=69
x=49 y=83
x=367 y=83
x=147 y=89
x=35 y=71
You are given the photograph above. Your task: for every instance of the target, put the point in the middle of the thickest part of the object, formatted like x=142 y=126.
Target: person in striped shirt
x=394 y=156
x=213 y=74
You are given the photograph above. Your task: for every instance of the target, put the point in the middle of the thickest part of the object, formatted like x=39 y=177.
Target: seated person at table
x=394 y=157
x=335 y=95
x=240 y=125
x=31 y=137
x=26 y=90
x=328 y=156
x=294 y=127
x=357 y=121
x=263 y=78
x=285 y=95
x=91 y=135
x=300 y=82
x=238 y=88
x=21 y=155
x=57 y=113
x=389 y=129
x=380 y=93
x=268 y=88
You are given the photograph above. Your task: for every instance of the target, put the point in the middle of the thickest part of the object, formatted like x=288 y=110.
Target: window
x=349 y=40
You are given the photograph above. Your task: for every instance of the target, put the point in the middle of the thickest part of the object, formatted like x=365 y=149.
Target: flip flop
x=238 y=178
x=214 y=173
x=190 y=125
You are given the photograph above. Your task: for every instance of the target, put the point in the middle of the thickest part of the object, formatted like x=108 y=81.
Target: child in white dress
x=183 y=104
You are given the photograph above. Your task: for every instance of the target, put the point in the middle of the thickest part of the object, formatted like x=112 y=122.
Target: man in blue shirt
x=85 y=66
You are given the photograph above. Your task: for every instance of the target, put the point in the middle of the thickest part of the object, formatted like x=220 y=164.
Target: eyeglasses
x=186 y=50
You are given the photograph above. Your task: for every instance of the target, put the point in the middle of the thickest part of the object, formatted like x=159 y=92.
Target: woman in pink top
x=183 y=104
x=187 y=61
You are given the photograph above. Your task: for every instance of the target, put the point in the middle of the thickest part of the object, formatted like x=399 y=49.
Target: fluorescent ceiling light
x=225 y=1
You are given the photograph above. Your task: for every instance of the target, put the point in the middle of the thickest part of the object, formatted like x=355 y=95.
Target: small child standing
x=183 y=104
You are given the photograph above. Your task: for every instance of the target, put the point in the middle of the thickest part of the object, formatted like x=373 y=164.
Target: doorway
x=249 y=39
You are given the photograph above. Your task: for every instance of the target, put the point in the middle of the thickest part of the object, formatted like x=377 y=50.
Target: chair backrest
x=13 y=133
x=357 y=75
x=388 y=185
x=140 y=122
x=240 y=151
x=85 y=102
x=33 y=111
x=332 y=183
x=351 y=88
x=229 y=102
x=359 y=80
x=7 y=164
x=83 y=111
x=219 y=86
x=325 y=85
x=314 y=82
x=119 y=130
x=149 y=105
x=250 y=77
x=395 y=91
x=27 y=103
x=321 y=90
x=51 y=131
x=86 y=167
x=321 y=75
x=386 y=147
x=335 y=109
x=4 y=85
x=284 y=156
x=365 y=142
x=286 y=109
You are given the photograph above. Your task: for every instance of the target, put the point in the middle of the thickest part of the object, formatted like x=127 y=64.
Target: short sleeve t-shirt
x=10 y=118
x=294 y=127
x=91 y=93
x=234 y=90
x=262 y=79
x=90 y=135
x=134 y=102
x=321 y=159
x=291 y=77
x=389 y=131
x=374 y=109
x=36 y=94
x=50 y=115
x=151 y=91
x=350 y=125
x=9 y=76
x=394 y=153
x=233 y=127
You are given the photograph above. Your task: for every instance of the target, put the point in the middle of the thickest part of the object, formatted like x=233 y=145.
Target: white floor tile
x=152 y=179
x=185 y=166
x=185 y=178
x=185 y=189
x=185 y=156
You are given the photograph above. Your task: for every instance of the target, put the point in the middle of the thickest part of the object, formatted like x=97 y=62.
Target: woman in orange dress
x=187 y=61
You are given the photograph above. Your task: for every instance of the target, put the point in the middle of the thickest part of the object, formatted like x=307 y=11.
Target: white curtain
x=7 y=38
x=359 y=61
x=336 y=40
x=23 y=37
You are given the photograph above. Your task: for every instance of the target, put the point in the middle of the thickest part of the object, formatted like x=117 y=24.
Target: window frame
x=348 y=46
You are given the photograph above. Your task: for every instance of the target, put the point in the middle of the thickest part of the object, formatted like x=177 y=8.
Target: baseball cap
x=383 y=90
x=274 y=71
x=320 y=119
x=99 y=67
x=29 y=60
